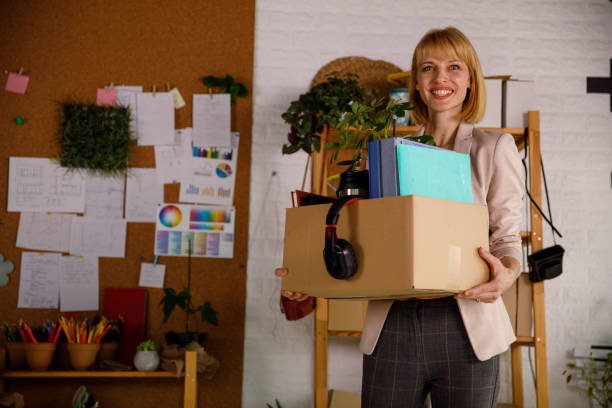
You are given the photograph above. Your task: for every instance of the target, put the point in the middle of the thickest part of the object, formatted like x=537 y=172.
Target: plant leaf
x=208 y=314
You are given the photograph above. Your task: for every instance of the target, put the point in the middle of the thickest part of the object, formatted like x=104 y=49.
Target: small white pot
x=146 y=360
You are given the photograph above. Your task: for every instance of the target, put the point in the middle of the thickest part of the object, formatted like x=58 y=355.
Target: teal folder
x=435 y=173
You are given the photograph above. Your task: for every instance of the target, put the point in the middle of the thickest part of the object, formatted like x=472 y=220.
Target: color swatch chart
x=209 y=229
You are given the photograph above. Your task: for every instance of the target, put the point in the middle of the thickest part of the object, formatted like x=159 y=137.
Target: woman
x=449 y=347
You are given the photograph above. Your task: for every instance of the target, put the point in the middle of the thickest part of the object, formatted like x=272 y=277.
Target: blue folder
x=436 y=173
x=382 y=165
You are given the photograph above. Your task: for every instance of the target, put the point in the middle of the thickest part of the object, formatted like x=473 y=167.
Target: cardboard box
x=341 y=399
x=405 y=246
x=518 y=301
x=519 y=98
x=493 y=114
x=346 y=315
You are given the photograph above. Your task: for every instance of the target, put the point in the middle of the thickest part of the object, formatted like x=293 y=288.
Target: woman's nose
x=441 y=74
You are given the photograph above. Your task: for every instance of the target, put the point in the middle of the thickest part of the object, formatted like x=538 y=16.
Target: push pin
x=19 y=120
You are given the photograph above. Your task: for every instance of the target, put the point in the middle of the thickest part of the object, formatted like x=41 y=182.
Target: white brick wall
x=557 y=43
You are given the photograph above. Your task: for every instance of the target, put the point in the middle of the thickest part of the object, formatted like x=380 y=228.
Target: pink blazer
x=497 y=183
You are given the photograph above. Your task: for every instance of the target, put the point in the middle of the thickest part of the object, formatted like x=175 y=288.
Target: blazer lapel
x=463 y=140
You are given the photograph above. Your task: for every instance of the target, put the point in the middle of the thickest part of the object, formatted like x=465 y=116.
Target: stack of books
x=401 y=167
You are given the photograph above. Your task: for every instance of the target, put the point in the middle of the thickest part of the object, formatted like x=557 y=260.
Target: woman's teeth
x=442 y=92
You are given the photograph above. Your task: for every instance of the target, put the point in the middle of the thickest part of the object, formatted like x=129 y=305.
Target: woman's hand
x=503 y=275
x=288 y=294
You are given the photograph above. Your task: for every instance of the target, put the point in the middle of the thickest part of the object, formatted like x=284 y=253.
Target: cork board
x=69 y=48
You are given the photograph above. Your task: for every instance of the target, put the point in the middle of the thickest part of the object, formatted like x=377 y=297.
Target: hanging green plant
x=365 y=122
x=324 y=104
x=226 y=84
x=94 y=137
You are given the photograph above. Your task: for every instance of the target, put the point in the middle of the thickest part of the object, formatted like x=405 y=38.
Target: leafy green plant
x=597 y=375
x=182 y=299
x=148 y=345
x=226 y=84
x=278 y=405
x=324 y=104
x=94 y=137
x=365 y=122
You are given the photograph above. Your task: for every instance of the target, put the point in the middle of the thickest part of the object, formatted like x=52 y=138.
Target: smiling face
x=442 y=81
x=444 y=66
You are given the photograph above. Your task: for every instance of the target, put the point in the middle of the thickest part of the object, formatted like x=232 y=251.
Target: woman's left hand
x=503 y=275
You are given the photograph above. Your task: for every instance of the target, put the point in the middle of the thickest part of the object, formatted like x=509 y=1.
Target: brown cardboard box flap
x=405 y=246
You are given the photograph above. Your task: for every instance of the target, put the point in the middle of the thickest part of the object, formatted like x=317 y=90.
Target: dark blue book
x=374 y=168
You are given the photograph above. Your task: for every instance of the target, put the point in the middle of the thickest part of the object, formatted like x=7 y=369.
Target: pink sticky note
x=107 y=97
x=17 y=83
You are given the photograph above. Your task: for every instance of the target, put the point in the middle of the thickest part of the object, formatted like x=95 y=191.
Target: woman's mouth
x=441 y=93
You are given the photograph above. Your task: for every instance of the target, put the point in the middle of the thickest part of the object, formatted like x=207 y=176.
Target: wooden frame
x=320 y=171
x=190 y=399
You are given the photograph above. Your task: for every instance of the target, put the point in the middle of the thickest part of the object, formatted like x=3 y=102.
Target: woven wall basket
x=372 y=73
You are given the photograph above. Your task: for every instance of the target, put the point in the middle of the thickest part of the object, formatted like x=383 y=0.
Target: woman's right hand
x=288 y=294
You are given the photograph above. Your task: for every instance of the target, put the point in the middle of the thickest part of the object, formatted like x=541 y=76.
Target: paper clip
x=155 y=261
x=210 y=93
x=154 y=90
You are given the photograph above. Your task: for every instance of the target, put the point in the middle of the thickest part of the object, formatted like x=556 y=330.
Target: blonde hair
x=450 y=41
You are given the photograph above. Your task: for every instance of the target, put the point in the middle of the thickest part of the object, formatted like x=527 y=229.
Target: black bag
x=546 y=264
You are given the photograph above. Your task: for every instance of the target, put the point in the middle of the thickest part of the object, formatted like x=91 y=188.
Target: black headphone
x=340 y=259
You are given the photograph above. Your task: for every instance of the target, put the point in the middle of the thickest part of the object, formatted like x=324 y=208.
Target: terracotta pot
x=108 y=351
x=39 y=355
x=83 y=355
x=16 y=355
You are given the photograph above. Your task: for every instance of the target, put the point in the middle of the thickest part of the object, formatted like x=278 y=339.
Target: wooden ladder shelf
x=320 y=170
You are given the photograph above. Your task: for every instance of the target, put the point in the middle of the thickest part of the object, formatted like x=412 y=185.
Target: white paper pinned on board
x=170 y=160
x=44 y=231
x=152 y=275
x=38 y=184
x=92 y=237
x=126 y=96
x=209 y=176
x=143 y=192
x=104 y=196
x=211 y=120
x=79 y=283
x=39 y=280
x=155 y=118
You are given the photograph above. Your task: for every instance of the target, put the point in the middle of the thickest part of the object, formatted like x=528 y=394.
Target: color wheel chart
x=210 y=229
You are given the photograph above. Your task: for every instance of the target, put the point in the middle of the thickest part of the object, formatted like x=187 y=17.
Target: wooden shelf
x=320 y=171
x=87 y=374
x=190 y=381
x=344 y=333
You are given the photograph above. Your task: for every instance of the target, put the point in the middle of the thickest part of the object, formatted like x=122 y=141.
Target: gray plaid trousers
x=424 y=349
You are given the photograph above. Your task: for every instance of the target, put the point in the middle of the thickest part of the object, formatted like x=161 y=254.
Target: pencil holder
x=16 y=355
x=83 y=355
x=39 y=355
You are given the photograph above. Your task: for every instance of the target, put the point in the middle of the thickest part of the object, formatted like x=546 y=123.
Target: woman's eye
x=427 y=68
x=455 y=67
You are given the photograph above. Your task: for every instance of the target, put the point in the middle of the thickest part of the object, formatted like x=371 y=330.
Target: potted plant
x=597 y=376
x=182 y=299
x=365 y=122
x=324 y=104
x=146 y=357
